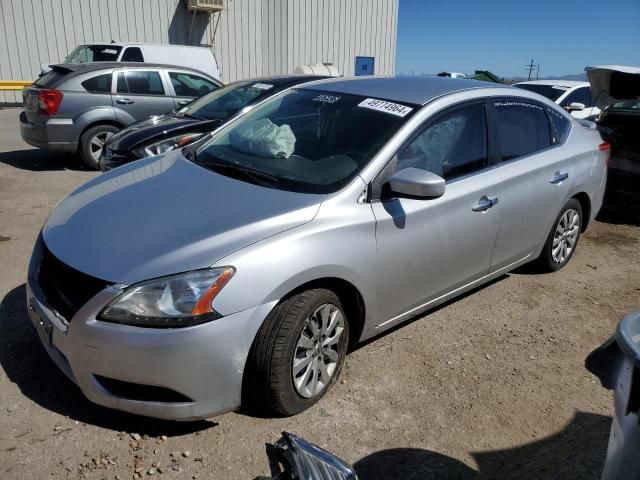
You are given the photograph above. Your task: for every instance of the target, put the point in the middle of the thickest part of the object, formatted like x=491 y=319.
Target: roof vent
x=207 y=6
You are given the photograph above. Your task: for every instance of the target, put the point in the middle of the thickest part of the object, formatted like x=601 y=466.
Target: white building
x=249 y=37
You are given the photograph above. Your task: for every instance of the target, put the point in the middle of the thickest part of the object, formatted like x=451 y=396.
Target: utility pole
x=530 y=67
x=538 y=72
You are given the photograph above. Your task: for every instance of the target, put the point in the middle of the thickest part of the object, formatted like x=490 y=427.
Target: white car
x=198 y=58
x=573 y=96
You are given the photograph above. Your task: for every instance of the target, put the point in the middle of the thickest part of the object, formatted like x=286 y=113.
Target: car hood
x=157 y=128
x=165 y=215
x=612 y=83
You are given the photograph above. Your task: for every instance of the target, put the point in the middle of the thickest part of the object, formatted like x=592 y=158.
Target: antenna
x=530 y=67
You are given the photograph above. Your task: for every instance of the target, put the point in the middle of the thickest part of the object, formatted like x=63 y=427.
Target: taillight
x=49 y=101
x=605 y=147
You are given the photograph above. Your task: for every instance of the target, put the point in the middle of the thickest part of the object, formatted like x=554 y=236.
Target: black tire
x=85 y=146
x=546 y=261
x=269 y=381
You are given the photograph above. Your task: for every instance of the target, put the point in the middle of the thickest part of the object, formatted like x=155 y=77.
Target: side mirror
x=416 y=183
x=576 y=107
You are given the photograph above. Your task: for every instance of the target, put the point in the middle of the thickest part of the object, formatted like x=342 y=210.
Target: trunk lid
x=612 y=83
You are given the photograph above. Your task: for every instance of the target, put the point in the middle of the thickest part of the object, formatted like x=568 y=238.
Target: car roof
x=279 y=80
x=556 y=83
x=79 y=68
x=407 y=89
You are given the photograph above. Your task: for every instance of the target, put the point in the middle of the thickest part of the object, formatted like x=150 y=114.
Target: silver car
x=237 y=270
x=76 y=108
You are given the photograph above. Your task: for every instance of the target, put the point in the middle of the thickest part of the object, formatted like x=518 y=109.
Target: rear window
x=523 y=128
x=98 y=84
x=50 y=79
x=93 y=53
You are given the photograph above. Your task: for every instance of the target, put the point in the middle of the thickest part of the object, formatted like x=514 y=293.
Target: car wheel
x=92 y=141
x=563 y=238
x=298 y=353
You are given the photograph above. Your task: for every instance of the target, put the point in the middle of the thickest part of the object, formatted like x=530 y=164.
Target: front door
x=428 y=248
x=140 y=94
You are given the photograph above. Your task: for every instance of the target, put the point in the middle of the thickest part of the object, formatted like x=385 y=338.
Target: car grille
x=64 y=288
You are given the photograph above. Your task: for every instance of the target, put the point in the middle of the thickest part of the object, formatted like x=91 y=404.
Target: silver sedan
x=237 y=270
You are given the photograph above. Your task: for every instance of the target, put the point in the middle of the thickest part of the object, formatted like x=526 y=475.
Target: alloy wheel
x=316 y=356
x=565 y=236
x=97 y=142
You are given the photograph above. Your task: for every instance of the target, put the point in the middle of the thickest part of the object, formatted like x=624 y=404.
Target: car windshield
x=226 y=101
x=304 y=140
x=93 y=53
x=552 y=92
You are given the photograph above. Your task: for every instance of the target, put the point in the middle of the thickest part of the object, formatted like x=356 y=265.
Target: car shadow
x=621 y=200
x=578 y=452
x=27 y=364
x=37 y=160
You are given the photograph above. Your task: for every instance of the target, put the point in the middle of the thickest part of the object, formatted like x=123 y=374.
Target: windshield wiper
x=256 y=176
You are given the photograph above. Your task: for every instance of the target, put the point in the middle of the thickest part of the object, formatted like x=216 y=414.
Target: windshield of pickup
x=93 y=53
x=307 y=141
x=226 y=101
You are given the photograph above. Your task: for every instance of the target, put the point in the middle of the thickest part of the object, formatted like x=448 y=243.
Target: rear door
x=141 y=93
x=186 y=86
x=536 y=175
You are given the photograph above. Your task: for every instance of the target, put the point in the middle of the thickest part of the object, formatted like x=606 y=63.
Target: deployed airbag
x=264 y=138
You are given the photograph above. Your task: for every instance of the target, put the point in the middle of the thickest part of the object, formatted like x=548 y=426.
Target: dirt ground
x=489 y=386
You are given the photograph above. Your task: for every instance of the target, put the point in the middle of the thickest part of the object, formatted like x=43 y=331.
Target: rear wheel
x=92 y=141
x=298 y=353
x=563 y=238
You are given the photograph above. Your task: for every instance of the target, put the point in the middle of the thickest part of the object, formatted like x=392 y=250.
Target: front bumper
x=54 y=134
x=204 y=363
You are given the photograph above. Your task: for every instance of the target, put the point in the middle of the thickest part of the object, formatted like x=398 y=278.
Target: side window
x=581 y=95
x=140 y=82
x=189 y=85
x=132 y=54
x=454 y=145
x=98 y=84
x=523 y=128
x=560 y=124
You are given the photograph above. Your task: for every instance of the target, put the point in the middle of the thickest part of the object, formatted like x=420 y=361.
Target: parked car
x=179 y=128
x=617 y=93
x=452 y=74
x=573 y=96
x=238 y=269
x=617 y=365
x=76 y=108
x=196 y=58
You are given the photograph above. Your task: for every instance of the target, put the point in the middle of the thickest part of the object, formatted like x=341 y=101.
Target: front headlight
x=166 y=145
x=169 y=302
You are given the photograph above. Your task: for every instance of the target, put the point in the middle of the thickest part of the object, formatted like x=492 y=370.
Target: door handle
x=183 y=102
x=559 y=177
x=125 y=101
x=485 y=203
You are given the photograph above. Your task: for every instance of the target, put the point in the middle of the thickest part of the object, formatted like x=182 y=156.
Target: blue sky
x=563 y=36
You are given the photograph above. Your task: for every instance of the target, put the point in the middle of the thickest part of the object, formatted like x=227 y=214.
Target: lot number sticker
x=262 y=86
x=387 y=107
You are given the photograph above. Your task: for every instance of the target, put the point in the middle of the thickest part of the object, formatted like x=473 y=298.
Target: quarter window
x=141 y=83
x=454 y=145
x=132 y=54
x=98 y=84
x=560 y=125
x=523 y=128
x=187 y=85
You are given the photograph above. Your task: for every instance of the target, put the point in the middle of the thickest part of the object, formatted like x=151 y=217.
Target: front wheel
x=298 y=352
x=92 y=141
x=563 y=238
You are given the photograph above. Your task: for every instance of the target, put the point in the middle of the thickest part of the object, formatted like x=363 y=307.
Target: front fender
x=336 y=244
